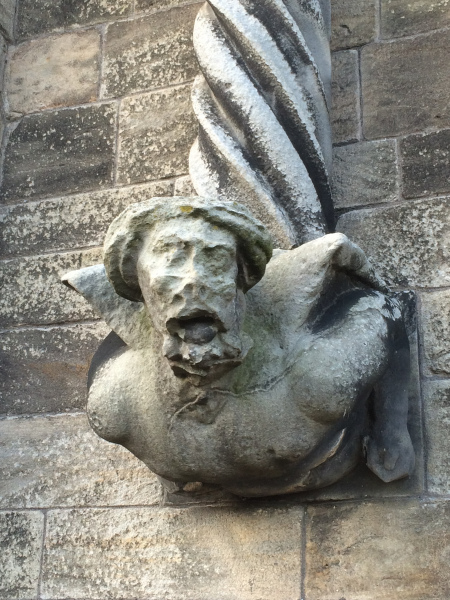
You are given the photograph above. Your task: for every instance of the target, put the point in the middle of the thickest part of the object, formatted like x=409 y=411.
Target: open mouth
x=198 y=329
x=200 y=345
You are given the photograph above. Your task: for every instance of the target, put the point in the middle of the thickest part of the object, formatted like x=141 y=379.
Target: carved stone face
x=187 y=271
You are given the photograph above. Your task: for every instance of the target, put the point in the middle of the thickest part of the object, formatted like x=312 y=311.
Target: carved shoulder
x=295 y=279
x=107 y=398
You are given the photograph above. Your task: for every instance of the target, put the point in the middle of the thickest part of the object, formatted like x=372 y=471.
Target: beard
x=202 y=339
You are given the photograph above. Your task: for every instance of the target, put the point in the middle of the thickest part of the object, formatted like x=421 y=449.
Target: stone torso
x=278 y=416
x=188 y=433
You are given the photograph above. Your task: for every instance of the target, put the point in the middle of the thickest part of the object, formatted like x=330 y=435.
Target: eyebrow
x=174 y=239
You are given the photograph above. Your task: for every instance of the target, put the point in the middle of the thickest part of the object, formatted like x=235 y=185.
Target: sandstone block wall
x=95 y=114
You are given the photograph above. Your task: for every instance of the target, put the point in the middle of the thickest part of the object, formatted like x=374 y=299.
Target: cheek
x=224 y=284
x=152 y=280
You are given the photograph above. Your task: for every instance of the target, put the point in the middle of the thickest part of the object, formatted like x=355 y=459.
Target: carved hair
x=127 y=233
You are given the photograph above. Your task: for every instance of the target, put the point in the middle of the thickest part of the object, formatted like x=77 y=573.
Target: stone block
x=364 y=173
x=195 y=554
x=395 y=550
x=149 y=6
x=401 y=93
x=198 y=494
x=45 y=370
x=437 y=423
x=352 y=23
x=42 y=16
x=52 y=72
x=151 y=52
x=436 y=331
x=32 y=292
x=184 y=187
x=156 y=133
x=407 y=18
x=7 y=14
x=345 y=92
x=67 y=223
x=21 y=537
x=425 y=159
x=56 y=152
x=3 y=49
x=59 y=461
x=409 y=244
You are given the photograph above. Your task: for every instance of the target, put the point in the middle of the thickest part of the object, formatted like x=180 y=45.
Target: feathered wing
x=262 y=102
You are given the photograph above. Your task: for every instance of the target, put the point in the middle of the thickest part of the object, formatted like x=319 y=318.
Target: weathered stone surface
x=437 y=423
x=345 y=91
x=65 y=223
x=409 y=243
x=414 y=16
x=151 y=52
x=32 y=292
x=264 y=123
x=362 y=483
x=45 y=370
x=184 y=187
x=68 y=150
x=7 y=13
x=156 y=5
x=197 y=554
x=53 y=72
x=352 y=23
x=195 y=494
x=174 y=355
x=436 y=331
x=156 y=132
x=41 y=16
x=21 y=535
x=395 y=550
x=425 y=159
x=401 y=93
x=3 y=48
x=364 y=173
x=59 y=461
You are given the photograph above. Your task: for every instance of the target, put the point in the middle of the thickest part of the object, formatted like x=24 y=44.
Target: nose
x=178 y=285
x=192 y=288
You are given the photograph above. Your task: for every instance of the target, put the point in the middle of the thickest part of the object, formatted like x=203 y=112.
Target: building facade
x=95 y=115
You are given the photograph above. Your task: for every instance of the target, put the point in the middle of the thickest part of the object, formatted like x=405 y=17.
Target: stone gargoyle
x=262 y=374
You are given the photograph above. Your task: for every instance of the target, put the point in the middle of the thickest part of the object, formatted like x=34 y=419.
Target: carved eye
x=169 y=252
x=218 y=256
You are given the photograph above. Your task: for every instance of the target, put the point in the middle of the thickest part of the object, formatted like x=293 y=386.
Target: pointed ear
x=130 y=320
